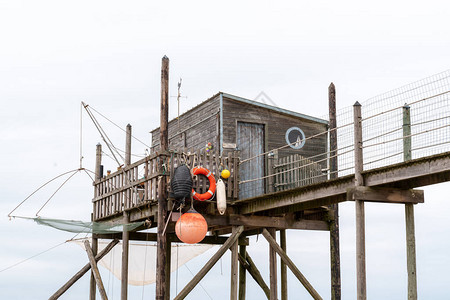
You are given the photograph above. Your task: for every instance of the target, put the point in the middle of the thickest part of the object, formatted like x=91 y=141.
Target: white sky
x=55 y=54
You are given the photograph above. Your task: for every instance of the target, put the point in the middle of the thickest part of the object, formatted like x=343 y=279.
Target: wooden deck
x=304 y=207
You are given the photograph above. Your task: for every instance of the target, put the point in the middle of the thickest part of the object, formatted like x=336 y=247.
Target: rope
x=119 y=127
x=296 y=168
x=9 y=215
x=31 y=257
x=102 y=133
x=36 y=255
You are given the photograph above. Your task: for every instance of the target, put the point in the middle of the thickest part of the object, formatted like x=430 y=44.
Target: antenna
x=178 y=102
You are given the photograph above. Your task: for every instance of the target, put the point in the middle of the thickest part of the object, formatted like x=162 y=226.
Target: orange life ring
x=212 y=184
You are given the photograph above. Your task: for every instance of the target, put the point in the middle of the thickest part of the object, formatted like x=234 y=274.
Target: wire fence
x=406 y=123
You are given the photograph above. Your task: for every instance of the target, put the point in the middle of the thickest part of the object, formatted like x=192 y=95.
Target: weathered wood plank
x=263 y=221
x=385 y=195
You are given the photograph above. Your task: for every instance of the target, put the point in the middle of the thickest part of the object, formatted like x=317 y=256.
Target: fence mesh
x=383 y=124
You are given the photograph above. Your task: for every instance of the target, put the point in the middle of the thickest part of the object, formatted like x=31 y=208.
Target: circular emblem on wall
x=295 y=137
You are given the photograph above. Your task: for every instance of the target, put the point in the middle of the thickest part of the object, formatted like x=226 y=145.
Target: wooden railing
x=137 y=184
x=129 y=187
x=294 y=171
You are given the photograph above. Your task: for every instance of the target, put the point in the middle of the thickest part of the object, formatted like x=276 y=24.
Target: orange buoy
x=212 y=184
x=191 y=227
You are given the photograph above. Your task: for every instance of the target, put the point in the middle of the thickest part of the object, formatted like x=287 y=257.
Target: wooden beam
x=385 y=195
x=291 y=265
x=83 y=271
x=273 y=267
x=151 y=237
x=242 y=272
x=283 y=267
x=231 y=240
x=263 y=221
x=234 y=268
x=411 y=252
x=98 y=278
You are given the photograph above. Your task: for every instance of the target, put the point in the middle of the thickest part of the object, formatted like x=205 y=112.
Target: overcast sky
x=55 y=54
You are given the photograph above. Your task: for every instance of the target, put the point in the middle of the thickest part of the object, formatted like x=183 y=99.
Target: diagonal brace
x=291 y=265
x=83 y=271
x=250 y=266
x=190 y=286
x=98 y=278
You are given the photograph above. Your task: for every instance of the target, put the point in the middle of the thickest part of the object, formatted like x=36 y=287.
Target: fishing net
x=142 y=259
x=84 y=227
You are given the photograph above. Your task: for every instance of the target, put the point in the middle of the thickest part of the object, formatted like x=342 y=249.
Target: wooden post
x=125 y=248
x=335 y=261
x=359 y=207
x=230 y=241
x=409 y=212
x=234 y=268
x=283 y=267
x=83 y=271
x=256 y=275
x=242 y=272
x=98 y=163
x=411 y=252
x=126 y=220
x=291 y=265
x=273 y=267
x=98 y=278
x=167 y=268
x=128 y=146
x=161 y=257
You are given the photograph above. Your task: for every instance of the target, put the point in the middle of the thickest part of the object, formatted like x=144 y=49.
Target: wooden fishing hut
x=262 y=146
x=271 y=138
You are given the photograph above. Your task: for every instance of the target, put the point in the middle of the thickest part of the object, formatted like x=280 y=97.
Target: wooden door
x=250 y=143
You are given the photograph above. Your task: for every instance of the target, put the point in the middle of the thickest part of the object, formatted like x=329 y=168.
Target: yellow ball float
x=225 y=174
